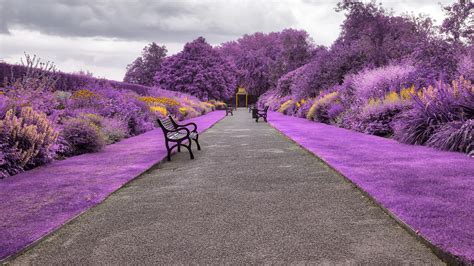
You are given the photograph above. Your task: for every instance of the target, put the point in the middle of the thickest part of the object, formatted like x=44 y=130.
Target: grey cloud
x=162 y=21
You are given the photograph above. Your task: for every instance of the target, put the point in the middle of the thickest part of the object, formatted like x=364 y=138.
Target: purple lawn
x=37 y=202
x=430 y=190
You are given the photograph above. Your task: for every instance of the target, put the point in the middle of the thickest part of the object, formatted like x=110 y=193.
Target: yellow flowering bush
x=84 y=94
x=29 y=139
x=160 y=110
x=285 y=106
x=320 y=103
x=150 y=100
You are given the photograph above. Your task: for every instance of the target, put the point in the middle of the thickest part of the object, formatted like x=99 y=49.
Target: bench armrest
x=189 y=124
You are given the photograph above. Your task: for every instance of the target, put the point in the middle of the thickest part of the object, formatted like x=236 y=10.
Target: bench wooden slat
x=177 y=134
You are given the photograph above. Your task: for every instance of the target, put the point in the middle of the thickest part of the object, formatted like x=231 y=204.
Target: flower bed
x=39 y=124
x=439 y=116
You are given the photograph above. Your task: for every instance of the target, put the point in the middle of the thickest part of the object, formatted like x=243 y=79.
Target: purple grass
x=429 y=190
x=37 y=202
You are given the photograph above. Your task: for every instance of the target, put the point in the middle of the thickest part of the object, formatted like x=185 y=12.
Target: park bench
x=262 y=114
x=175 y=133
x=229 y=110
x=251 y=107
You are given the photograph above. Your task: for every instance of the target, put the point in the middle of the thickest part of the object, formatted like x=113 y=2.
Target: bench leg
x=189 y=149
x=168 y=157
x=179 y=146
x=197 y=143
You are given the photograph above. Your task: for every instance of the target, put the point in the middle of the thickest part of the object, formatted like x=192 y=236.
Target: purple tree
x=261 y=59
x=459 y=21
x=199 y=70
x=143 y=69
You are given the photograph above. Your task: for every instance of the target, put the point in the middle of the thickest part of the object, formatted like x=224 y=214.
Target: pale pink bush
x=375 y=83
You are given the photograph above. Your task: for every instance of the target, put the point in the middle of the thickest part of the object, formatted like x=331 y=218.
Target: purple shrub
x=27 y=140
x=10 y=159
x=379 y=121
x=82 y=136
x=334 y=110
x=4 y=105
x=319 y=111
x=466 y=65
x=434 y=107
x=31 y=92
x=114 y=130
x=304 y=108
x=454 y=136
x=376 y=83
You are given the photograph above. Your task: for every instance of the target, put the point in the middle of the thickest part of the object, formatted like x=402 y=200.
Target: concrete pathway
x=251 y=196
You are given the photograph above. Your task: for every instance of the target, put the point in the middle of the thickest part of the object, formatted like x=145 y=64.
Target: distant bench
x=261 y=113
x=176 y=133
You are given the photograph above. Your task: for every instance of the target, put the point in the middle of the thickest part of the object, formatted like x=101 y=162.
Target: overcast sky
x=103 y=36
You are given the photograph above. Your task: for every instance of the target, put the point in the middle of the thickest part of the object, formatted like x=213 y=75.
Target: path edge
x=443 y=255
x=26 y=248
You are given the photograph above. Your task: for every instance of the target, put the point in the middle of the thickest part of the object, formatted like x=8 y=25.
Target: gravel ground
x=250 y=196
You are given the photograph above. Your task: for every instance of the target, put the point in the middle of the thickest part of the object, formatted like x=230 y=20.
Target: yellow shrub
x=285 y=106
x=326 y=99
x=183 y=110
x=150 y=100
x=391 y=97
x=407 y=93
x=84 y=94
x=159 y=109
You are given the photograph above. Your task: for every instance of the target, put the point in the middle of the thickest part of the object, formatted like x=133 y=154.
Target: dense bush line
x=39 y=123
x=392 y=76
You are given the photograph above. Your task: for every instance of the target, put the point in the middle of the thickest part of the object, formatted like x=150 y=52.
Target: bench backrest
x=266 y=108
x=167 y=124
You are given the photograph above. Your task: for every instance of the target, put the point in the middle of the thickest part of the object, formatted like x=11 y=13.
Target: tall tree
x=459 y=22
x=199 y=70
x=261 y=59
x=143 y=69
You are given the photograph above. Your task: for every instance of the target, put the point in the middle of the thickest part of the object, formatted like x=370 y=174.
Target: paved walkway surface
x=251 y=196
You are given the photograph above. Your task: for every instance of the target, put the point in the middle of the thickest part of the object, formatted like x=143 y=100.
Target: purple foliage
x=378 y=120
x=82 y=136
x=458 y=22
x=199 y=70
x=376 y=83
x=435 y=59
x=435 y=107
x=454 y=136
x=143 y=69
x=304 y=108
x=466 y=64
x=27 y=140
x=4 y=106
x=261 y=59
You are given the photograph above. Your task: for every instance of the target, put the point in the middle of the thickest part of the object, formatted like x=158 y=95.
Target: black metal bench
x=229 y=110
x=251 y=107
x=262 y=114
x=176 y=133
